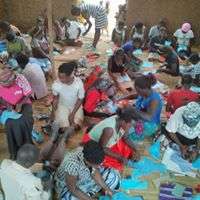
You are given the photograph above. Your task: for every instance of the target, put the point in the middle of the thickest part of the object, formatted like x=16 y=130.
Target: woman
x=183 y=128
x=40 y=50
x=171 y=64
x=118 y=71
x=16 y=109
x=95 y=11
x=111 y=134
x=96 y=96
x=147 y=109
x=181 y=96
x=81 y=177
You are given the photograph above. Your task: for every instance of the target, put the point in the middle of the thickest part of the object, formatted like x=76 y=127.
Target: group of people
x=110 y=144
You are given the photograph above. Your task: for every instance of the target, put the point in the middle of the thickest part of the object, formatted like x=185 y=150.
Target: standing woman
x=15 y=110
x=95 y=11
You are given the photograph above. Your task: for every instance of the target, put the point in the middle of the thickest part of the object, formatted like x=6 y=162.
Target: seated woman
x=181 y=96
x=161 y=39
x=118 y=71
x=147 y=109
x=81 y=176
x=15 y=110
x=111 y=134
x=183 y=129
x=183 y=37
x=139 y=31
x=171 y=64
x=40 y=50
x=34 y=75
x=95 y=97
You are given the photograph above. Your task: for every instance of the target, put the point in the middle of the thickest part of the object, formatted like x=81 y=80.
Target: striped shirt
x=93 y=10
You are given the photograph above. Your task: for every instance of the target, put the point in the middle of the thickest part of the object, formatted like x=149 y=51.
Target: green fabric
x=14 y=47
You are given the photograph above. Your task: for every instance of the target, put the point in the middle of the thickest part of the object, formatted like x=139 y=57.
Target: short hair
x=10 y=36
x=75 y=10
x=22 y=60
x=186 y=79
x=145 y=81
x=139 y=25
x=137 y=39
x=4 y=25
x=93 y=152
x=163 y=22
x=27 y=155
x=68 y=68
x=194 y=58
x=119 y=51
x=125 y=114
x=121 y=23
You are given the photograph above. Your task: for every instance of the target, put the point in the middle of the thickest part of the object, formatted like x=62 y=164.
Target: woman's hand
x=184 y=151
x=71 y=119
x=18 y=108
x=109 y=192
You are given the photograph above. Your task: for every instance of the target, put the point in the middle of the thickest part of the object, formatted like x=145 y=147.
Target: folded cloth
x=120 y=196
x=6 y=114
x=154 y=150
x=134 y=184
x=196 y=163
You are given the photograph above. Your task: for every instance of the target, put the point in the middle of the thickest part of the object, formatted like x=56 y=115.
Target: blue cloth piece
x=137 y=52
x=37 y=137
x=147 y=166
x=196 y=197
x=147 y=64
x=195 y=89
x=154 y=150
x=196 y=163
x=184 y=165
x=13 y=63
x=134 y=184
x=120 y=196
x=182 y=48
x=6 y=114
x=168 y=43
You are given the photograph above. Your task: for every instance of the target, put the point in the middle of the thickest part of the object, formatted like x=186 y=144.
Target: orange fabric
x=121 y=148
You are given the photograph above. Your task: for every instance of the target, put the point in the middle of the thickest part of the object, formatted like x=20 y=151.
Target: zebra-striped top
x=92 y=10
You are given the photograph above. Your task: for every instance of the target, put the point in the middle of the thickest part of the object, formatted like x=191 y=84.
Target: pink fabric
x=186 y=27
x=15 y=93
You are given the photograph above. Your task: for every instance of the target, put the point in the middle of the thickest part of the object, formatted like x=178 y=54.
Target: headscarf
x=7 y=76
x=191 y=119
x=103 y=84
x=186 y=27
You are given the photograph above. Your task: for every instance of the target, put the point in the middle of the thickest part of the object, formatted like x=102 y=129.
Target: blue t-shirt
x=128 y=47
x=143 y=104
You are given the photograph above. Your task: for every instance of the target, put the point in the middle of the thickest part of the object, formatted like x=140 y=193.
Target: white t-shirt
x=183 y=38
x=174 y=125
x=73 y=30
x=68 y=94
x=19 y=183
x=154 y=31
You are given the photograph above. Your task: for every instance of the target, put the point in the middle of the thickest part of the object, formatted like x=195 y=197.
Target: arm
x=71 y=184
x=172 y=71
x=79 y=33
x=107 y=134
x=87 y=18
x=109 y=71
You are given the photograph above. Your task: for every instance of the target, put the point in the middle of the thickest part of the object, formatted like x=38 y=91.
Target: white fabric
x=73 y=30
x=19 y=183
x=154 y=31
x=175 y=124
x=183 y=38
x=36 y=78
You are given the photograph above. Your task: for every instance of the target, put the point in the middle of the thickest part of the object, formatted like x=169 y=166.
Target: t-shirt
x=195 y=70
x=128 y=47
x=73 y=30
x=68 y=94
x=183 y=38
x=175 y=123
x=154 y=31
x=177 y=97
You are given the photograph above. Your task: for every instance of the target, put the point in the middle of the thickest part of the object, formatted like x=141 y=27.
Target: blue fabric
x=184 y=165
x=137 y=52
x=147 y=64
x=154 y=150
x=6 y=114
x=143 y=104
x=128 y=46
x=196 y=163
x=149 y=129
x=44 y=63
x=196 y=197
x=37 y=137
x=120 y=196
x=146 y=166
x=3 y=46
x=13 y=63
x=134 y=184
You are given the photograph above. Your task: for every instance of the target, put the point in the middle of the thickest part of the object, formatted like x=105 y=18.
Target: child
x=171 y=65
x=68 y=94
x=183 y=36
x=34 y=75
x=118 y=34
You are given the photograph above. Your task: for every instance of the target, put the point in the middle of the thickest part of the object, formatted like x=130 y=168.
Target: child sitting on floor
x=68 y=94
x=118 y=34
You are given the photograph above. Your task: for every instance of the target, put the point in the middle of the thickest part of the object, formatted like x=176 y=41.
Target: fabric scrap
x=154 y=150
x=120 y=196
x=196 y=163
x=134 y=184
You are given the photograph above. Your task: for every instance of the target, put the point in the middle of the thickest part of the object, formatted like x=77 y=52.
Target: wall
x=176 y=11
x=24 y=12
x=2 y=13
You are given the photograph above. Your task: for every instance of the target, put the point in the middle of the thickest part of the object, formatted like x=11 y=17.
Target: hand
x=71 y=119
x=37 y=167
x=85 y=33
x=18 y=108
x=109 y=192
x=184 y=151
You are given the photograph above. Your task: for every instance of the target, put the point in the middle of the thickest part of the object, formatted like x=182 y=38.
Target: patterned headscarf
x=191 y=119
